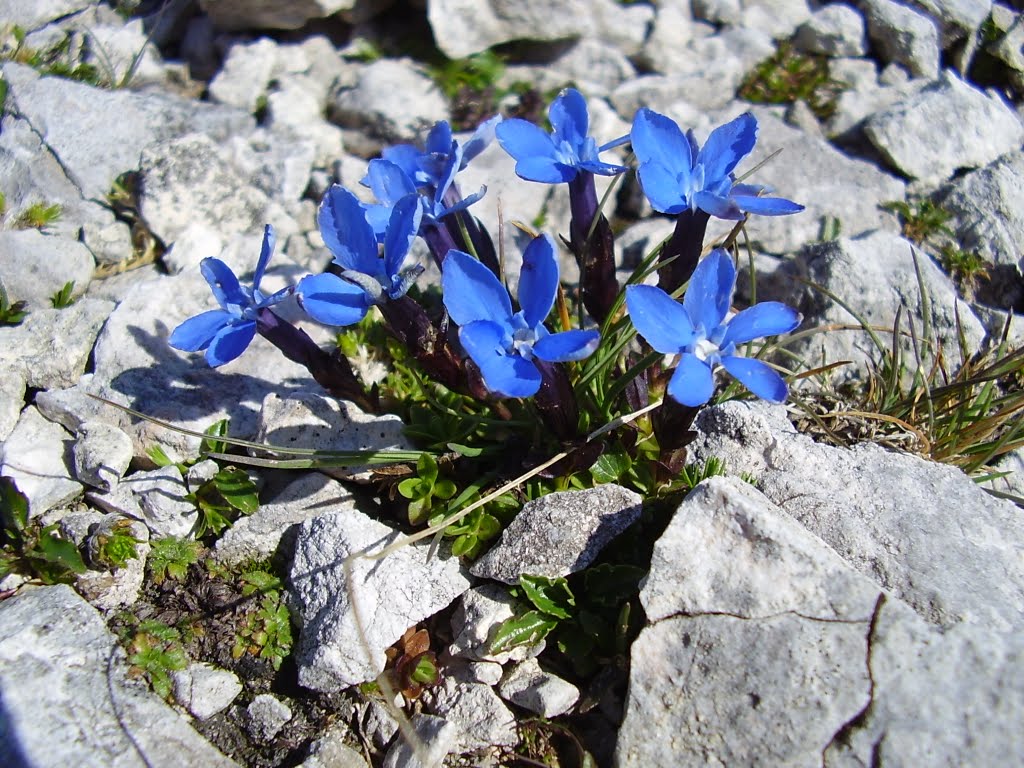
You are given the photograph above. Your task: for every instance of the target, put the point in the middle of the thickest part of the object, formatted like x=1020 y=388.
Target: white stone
x=34 y=266
x=160 y=494
x=247 y=70
x=530 y=687
x=560 y=533
x=339 y=644
x=204 y=690
x=271 y=14
x=476 y=619
x=436 y=737
x=102 y=454
x=835 y=30
x=947 y=126
x=482 y=719
x=12 y=400
x=37 y=456
x=266 y=716
x=68 y=698
x=904 y=36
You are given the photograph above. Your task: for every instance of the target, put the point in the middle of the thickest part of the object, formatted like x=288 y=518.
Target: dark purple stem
x=331 y=371
x=686 y=244
x=595 y=254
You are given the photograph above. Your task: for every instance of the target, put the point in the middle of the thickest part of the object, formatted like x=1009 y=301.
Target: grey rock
x=378 y=724
x=864 y=98
x=331 y=751
x=102 y=454
x=1009 y=49
x=874 y=274
x=88 y=713
x=322 y=423
x=956 y=19
x=594 y=67
x=199 y=473
x=946 y=126
x=925 y=710
x=112 y=128
x=30 y=16
x=637 y=242
x=478 y=615
x=988 y=210
x=465 y=27
x=204 y=690
x=436 y=737
x=160 y=494
x=774 y=621
x=778 y=18
x=34 y=266
x=826 y=181
x=246 y=74
x=902 y=35
x=37 y=456
x=188 y=181
x=275 y=524
x=108 y=589
x=482 y=719
x=297 y=105
x=560 y=533
x=30 y=173
x=834 y=30
x=379 y=101
x=122 y=53
x=12 y=400
x=893 y=517
x=269 y=14
x=339 y=645
x=266 y=716
x=52 y=346
x=530 y=687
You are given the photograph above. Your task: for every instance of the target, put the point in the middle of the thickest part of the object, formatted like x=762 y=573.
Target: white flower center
x=705 y=349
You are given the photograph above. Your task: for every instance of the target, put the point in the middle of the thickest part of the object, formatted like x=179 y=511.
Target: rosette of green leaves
x=426 y=489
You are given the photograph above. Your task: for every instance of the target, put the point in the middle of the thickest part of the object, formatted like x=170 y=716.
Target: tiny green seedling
x=423 y=489
x=171 y=557
x=38 y=552
x=789 y=76
x=920 y=220
x=154 y=652
x=64 y=297
x=11 y=312
x=266 y=631
x=38 y=216
x=116 y=548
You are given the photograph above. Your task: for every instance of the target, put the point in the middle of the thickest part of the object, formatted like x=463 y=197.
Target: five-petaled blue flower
x=367 y=278
x=676 y=175
x=226 y=332
x=504 y=344
x=699 y=332
x=556 y=157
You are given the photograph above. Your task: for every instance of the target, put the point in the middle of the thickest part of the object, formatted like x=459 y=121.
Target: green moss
x=789 y=76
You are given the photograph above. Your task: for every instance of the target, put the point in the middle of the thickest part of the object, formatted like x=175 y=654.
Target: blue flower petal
x=471 y=292
x=197 y=332
x=401 y=231
x=603 y=169
x=661 y=320
x=756 y=376
x=567 y=346
x=388 y=181
x=230 y=342
x=481 y=139
x=657 y=139
x=346 y=232
x=405 y=156
x=439 y=139
x=569 y=118
x=266 y=251
x=545 y=170
x=538 y=280
x=662 y=188
x=769 y=318
x=709 y=294
x=330 y=300
x=727 y=145
x=225 y=286
x=524 y=140
x=716 y=205
x=766 y=206
x=692 y=383
x=506 y=375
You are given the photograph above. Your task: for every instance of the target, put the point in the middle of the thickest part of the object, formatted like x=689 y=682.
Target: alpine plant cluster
x=482 y=341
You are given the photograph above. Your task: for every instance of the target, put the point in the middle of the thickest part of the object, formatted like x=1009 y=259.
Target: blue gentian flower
x=504 y=344
x=677 y=176
x=367 y=278
x=430 y=166
x=225 y=333
x=698 y=330
x=556 y=157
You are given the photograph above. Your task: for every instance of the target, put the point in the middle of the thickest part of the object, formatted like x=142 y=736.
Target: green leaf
x=260 y=581
x=465 y=450
x=237 y=489
x=59 y=551
x=418 y=510
x=426 y=468
x=551 y=596
x=444 y=489
x=465 y=545
x=210 y=444
x=159 y=456
x=13 y=508
x=412 y=488
x=528 y=629
x=609 y=467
